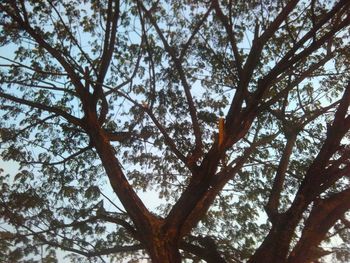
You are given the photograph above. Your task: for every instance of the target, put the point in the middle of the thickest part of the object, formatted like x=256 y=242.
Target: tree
x=235 y=112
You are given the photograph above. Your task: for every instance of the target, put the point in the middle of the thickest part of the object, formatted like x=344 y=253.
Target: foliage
x=102 y=100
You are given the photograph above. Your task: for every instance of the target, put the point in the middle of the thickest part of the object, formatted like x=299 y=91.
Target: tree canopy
x=235 y=113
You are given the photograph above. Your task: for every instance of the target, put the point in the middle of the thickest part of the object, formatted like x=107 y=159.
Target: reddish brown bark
x=323 y=216
x=275 y=246
x=163 y=250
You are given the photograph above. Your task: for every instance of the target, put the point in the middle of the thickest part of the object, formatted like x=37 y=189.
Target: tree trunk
x=273 y=249
x=163 y=251
x=276 y=246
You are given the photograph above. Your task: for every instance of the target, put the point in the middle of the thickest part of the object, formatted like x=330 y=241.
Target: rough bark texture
x=164 y=250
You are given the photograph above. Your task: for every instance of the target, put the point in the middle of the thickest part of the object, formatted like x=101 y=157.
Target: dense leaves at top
x=96 y=94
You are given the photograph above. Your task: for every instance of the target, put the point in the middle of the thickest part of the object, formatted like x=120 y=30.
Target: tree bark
x=274 y=248
x=276 y=245
x=161 y=243
x=162 y=250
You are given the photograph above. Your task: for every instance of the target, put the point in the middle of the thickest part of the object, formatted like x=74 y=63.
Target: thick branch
x=144 y=220
x=108 y=49
x=291 y=58
x=110 y=38
x=335 y=133
x=323 y=216
x=273 y=203
x=203 y=189
x=207 y=250
x=277 y=244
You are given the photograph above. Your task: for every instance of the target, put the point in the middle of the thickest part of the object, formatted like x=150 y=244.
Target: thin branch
x=39 y=122
x=36 y=70
x=168 y=140
x=194 y=33
x=207 y=250
x=95 y=253
x=38 y=37
x=181 y=72
x=306 y=73
x=149 y=48
x=119 y=136
x=109 y=200
x=291 y=58
x=32 y=85
x=40 y=106
x=70 y=33
x=128 y=80
x=116 y=220
x=231 y=35
x=72 y=156
x=332 y=175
